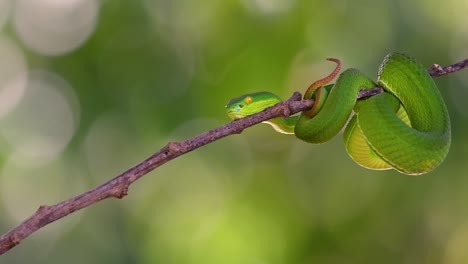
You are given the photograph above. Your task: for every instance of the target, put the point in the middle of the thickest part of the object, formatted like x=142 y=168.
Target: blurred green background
x=88 y=88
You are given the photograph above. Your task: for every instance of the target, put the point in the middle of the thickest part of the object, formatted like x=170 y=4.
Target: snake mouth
x=234 y=115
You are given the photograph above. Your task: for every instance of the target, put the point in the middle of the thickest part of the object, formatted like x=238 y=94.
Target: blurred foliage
x=155 y=71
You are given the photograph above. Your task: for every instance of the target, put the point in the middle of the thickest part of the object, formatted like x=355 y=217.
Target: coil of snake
x=406 y=128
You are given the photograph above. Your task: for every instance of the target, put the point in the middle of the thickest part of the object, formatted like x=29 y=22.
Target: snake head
x=249 y=104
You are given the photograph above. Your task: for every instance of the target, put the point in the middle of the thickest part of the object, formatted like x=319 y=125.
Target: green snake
x=406 y=128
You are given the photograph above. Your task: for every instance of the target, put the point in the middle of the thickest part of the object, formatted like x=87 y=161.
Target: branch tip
x=436 y=70
x=436 y=67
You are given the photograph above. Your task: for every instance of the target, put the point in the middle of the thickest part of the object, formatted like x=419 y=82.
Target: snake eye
x=248 y=100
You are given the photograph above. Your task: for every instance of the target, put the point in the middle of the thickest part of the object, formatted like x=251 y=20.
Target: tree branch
x=118 y=186
x=436 y=70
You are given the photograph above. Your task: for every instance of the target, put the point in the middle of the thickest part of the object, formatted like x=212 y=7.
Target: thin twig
x=118 y=186
x=436 y=70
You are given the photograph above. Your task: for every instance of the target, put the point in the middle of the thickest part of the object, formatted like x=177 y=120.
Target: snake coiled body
x=406 y=128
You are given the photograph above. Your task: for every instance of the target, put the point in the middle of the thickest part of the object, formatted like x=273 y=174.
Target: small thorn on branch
x=42 y=209
x=173 y=148
x=296 y=96
x=15 y=239
x=120 y=190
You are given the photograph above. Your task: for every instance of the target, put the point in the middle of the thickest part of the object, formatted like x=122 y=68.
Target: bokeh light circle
x=52 y=27
x=269 y=7
x=43 y=122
